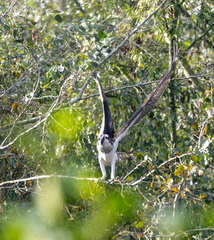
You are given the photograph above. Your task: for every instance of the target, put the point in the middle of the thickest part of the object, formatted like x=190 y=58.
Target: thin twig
x=161 y=165
x=88 y=80
x=93 y=179
x=211 y=228
x=132 y=33
x=38 y=123
x=10 y=8
x=176 y=196
x=35 y=119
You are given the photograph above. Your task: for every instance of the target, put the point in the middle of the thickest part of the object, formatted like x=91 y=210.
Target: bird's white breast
x=107 y=152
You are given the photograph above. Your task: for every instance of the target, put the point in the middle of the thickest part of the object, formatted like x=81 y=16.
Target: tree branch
x=115 y=51
x=93 y=179
x=2 y=146
x=23 y=122
x=10 y=8
x=44 y=177
x=195 y=230
x=199 y=38
x=161 y=165
x=35 y=119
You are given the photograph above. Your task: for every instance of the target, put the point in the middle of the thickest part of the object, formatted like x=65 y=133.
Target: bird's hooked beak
x=102 y=140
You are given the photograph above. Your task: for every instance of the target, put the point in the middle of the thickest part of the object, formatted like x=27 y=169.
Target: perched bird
x=107 y=141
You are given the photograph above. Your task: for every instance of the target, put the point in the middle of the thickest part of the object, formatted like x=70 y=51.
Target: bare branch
x=24 y=122
x=2 y=146
x=35 y=119
x=132 y=33
x=44 y=177
x=115 y=51
x=161 y=165
x=211 y=228
x=10 y=8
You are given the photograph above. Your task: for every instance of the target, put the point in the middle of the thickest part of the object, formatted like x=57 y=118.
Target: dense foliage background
x=50 y=115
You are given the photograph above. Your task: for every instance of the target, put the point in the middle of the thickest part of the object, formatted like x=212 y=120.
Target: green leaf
x=139 y=224
x=94 y=64
x=195 y=126
x=58 y=18
x=6 y=27
x=194 y=158
x=101 y=34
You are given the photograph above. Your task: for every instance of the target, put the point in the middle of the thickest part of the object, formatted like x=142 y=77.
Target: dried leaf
x=15 y=106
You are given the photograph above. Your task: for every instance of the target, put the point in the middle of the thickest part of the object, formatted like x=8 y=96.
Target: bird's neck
x=107 y=146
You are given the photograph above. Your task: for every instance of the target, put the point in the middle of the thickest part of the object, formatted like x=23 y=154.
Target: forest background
x=50 y=116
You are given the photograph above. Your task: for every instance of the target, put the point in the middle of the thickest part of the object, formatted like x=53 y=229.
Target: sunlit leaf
x=194 y=158
x=190 y=167
x=14 y=150
x=101 y=34
x=195 y=126
x=16 y=74
x=169 y=180
x=206 y=129
x=139 y=154
x=203 y=195
x=175 y=189
x=139 y=224
x=179 y=170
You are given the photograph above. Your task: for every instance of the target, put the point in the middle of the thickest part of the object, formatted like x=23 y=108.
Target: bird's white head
x=103 y=138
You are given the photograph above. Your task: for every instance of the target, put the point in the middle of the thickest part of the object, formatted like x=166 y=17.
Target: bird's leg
x=113 y=169
x=102 y=167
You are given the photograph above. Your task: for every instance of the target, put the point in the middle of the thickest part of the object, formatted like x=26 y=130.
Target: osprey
x=107 y=141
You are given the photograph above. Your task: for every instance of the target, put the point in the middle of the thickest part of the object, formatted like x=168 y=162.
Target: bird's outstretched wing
x=107 y=124
x=149 y=104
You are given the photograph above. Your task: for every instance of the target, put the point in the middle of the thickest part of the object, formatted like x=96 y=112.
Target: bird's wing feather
x=107 y=123
x=149 y=104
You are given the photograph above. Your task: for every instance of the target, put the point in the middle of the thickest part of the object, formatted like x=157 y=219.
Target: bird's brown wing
x=107 y=123
x=149 y=104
